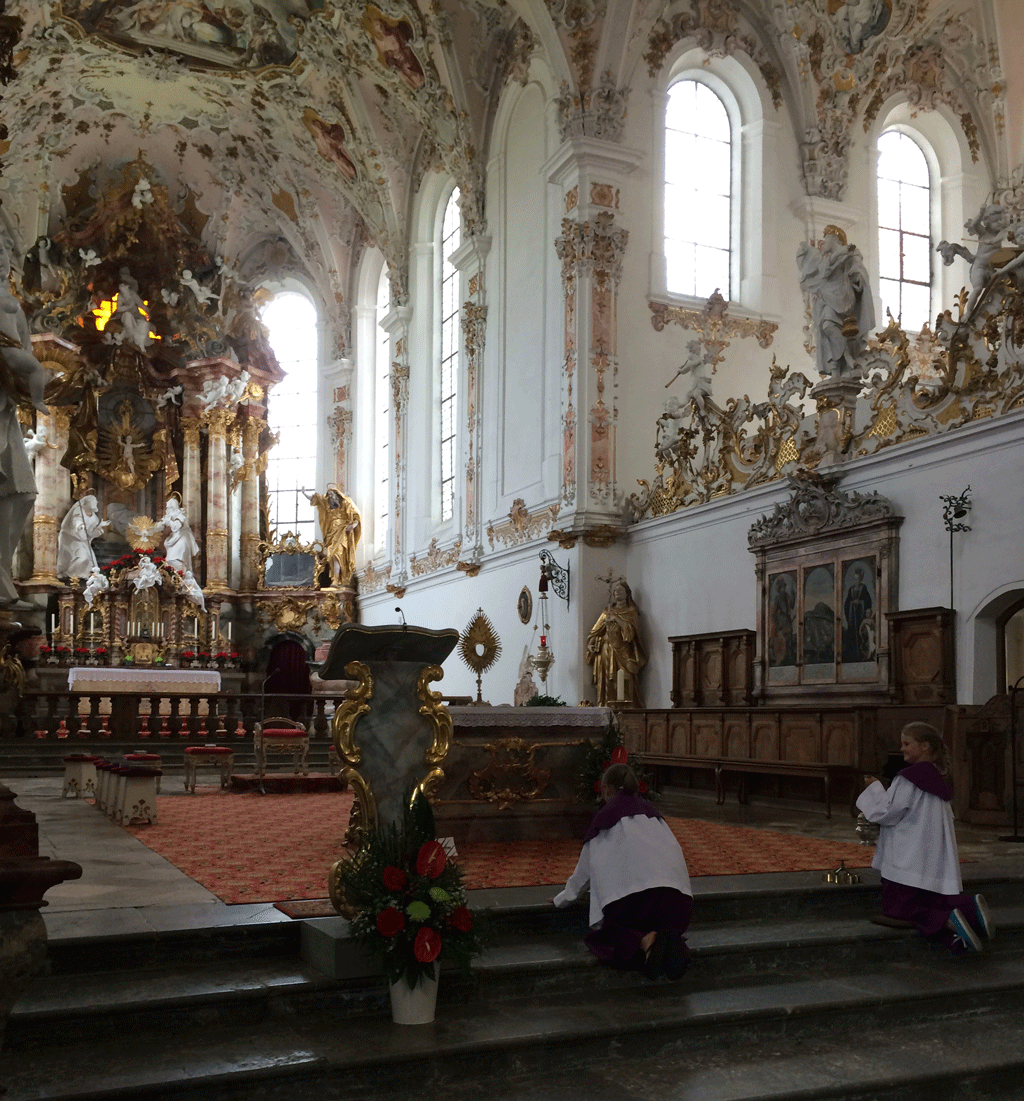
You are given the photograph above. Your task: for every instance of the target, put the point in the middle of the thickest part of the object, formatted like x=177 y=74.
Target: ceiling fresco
x=302 y=129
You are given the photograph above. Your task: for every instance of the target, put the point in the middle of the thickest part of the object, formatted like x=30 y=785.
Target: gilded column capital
x=190 y=428
x=218 y=421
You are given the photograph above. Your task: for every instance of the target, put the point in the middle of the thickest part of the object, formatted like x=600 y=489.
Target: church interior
x=666 y=357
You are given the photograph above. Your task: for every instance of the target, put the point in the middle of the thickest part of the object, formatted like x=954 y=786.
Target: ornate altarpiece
x=828 y=576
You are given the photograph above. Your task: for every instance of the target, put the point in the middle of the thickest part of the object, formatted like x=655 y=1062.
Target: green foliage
x=545 y=701
x=600 y=755
x=411 y=900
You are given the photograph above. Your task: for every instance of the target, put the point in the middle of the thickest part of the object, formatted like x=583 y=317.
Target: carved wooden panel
x=680 y=741
x=765 y=738
x=922 y=654
x=712 y=686
x=707 y=736
x=801 y=738
x=657 y=734
x=713 y=670
x=840 y=737
x=737 y=736
x=633 y=725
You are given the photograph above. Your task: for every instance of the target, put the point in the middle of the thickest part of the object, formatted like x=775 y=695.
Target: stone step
x=667 y=1040
x=252 y=973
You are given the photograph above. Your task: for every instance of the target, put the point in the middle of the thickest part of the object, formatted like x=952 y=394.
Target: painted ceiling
x=301 y=129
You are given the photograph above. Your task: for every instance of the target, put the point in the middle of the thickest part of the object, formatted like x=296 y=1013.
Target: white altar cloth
x=111 y=680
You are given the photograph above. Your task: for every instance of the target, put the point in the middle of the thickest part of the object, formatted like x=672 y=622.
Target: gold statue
x=340 y=528
x=614 y=647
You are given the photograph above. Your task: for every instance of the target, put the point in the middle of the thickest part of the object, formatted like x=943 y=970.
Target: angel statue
x=614 y=648
x=989 y=226
x=81 y=525
x=193 y=591
x=147 y=574
x=35 y=441
x=95 y=584
x=340 y=528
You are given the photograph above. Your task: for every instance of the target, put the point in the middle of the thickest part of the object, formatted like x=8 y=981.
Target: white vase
x=415 y=1006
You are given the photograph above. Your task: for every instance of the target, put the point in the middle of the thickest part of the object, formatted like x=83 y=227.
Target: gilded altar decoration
x=512 y=776
x=340 y=528
x=432 y=707
x=713 y=324
x=522 y=525
x=435 y=558
x=479 y=647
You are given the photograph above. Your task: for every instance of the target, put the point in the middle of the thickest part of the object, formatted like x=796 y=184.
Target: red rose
x=620 y=756
x=427 y=946
x=462 y=919
x=430 y=861
x=394 y=878
x=391 y=921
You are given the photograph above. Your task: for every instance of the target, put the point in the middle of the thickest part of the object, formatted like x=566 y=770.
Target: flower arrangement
x=188 y=655
x=203 y=655
x=101 y=651
x=44 y=649
x=222 y=655
x=602 y=755
x=410 y=900
x=81 y=651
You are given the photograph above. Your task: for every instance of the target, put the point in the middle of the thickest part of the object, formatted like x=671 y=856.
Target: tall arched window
x=451 y=238
x=382 y=418
x=904 y=231
x=698 y=191
x=291 y=408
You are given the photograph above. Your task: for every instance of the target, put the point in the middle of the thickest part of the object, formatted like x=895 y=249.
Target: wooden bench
x=746 y=767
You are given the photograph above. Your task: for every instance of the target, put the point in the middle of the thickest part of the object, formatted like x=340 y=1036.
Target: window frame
x=443 y=255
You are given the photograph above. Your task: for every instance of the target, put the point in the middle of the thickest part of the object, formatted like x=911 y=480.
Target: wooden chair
x=280 y=735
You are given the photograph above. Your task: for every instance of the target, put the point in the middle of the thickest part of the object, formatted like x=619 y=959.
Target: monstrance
x=479 y=647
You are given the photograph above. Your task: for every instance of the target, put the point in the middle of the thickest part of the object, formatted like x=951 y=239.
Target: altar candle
x=53 y=624
x=229 y=630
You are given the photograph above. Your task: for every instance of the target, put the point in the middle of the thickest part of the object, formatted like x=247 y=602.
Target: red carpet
x=275 y=848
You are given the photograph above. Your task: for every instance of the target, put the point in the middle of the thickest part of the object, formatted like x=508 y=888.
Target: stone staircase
x=791 y=993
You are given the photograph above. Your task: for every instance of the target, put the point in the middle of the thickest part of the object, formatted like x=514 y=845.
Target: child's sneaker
x=963 y=932
x=983 y=918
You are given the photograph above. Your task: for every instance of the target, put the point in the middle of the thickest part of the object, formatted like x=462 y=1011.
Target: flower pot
x=416 y=1006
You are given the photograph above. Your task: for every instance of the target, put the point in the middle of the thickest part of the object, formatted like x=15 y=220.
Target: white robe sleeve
x=577 y=881
x=885 y=808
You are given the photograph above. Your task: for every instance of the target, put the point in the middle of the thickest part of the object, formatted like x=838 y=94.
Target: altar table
x=111 y=680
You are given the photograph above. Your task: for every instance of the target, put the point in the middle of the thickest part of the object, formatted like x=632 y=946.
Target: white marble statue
x=147 y=575
x=214 y=391
x=131 y=312
x=171 y=395
x=180 y=544
x=81 y=525
x=97 y=582
x=35 y=441
x=697 y=361
x=989 y=226
x=842 y=309
x=203 y=294
x=193 y=591
x=235 y=389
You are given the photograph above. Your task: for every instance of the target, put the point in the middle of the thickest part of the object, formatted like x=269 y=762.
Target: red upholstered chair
x=279 y=735
x=150 y=760
x=207 y=756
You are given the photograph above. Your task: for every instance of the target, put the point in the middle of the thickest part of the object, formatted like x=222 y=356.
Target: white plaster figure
x=214 y=391
x=193 y=591
x=97 y=582
x=128 y=448
x=147 y=575
x=203 y=294
x=171 y=395
x=35 y=441
x=235 y=389
x=180 y=543
x=842 y=309
x=81 y=525
x=989 y=226
x=700 y=385
x=131 y=312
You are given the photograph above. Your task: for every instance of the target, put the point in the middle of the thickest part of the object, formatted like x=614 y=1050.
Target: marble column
x=250 y=504
x=591 y=248
x=470 y=259
x=47 y=517
x=216 y=534
x=192 y=474
x=396 y=325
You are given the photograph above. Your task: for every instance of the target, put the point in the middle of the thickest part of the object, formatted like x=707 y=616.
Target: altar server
x=916 y=852
x=640 y=897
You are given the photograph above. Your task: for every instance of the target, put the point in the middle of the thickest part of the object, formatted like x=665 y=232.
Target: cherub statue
x=989 y=226
x=147 y=575
x=700 y=386
x=669 y=424
x=95 y=584
x=131 y=312
x=35 y=441
x=203 y=294
x=235 y=389
x=614 y=646
x=214 y=391
x=172 y=396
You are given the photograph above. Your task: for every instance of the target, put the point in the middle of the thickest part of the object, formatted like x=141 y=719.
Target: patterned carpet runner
x=276 y=848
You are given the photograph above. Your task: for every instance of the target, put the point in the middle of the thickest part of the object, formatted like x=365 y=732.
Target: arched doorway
x=1010 y=645
x=287 y=690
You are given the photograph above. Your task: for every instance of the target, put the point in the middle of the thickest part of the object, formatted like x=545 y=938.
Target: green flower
x=439 y=894
x=418 y=911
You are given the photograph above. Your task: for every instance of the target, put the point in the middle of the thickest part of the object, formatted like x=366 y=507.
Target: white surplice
x=917 y=843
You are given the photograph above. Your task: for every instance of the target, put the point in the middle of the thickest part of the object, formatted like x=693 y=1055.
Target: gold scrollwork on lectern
x=353 y=707
x=441 y=719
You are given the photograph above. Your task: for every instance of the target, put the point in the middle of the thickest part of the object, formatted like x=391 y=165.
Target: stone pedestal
x=25 y=877
x=391 y=732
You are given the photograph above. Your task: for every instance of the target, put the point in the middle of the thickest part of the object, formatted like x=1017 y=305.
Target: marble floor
x=126 y=888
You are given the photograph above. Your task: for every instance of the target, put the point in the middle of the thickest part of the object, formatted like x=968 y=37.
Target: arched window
x=904 y=231
x=382 y=418
x=451 y=238
x=698 y=191
x=292 y=463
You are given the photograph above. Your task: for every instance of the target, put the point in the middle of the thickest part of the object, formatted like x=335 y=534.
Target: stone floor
x=127 y=888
